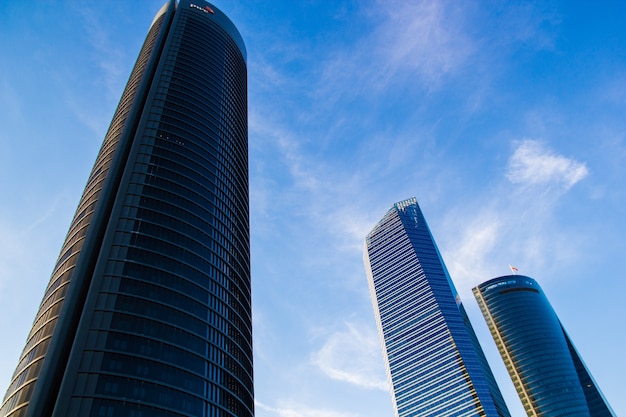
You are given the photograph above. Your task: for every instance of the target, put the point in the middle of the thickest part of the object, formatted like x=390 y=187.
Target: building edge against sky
x=148 y=309
x=434 y=362
x=549 y=375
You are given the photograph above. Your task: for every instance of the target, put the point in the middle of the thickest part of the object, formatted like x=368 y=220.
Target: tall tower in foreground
x=147 y=312
x=435 y=364
x=547 y=371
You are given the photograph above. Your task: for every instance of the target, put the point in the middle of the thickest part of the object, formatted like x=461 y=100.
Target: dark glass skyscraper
x=147 y=312
x=547 y=371
x=434 y=361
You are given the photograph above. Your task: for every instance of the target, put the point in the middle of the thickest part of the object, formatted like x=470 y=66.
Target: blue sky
x=505 y=119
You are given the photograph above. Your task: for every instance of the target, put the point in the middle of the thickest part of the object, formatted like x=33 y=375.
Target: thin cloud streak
x=109 y=59
x=352 y=355
x=291 y=411
x=470 y=259
x=533 y=163
x=518 y=220
x=412 y=44
x=424 y=38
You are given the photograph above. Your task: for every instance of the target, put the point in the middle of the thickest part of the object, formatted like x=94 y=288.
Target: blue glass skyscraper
x=547 y=371
x=434 y=362
x=148 y=310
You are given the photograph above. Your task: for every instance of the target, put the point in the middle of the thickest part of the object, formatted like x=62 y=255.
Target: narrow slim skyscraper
x=148 y=310
x=547 y=371
x=434 y=362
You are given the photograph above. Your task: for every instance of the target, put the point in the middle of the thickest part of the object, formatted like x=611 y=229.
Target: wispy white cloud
x=104 y=70
x=532 y=24
x=513 y=224
x=469 y=259
x=29 y=244
x=11 y=102
x=298 y=411
x=17 y=238
x=533 y=163
x=274 y=134
x=413 y=43
x=423 y=37
x=353 y=355
x=109 y=58
x=349 y=226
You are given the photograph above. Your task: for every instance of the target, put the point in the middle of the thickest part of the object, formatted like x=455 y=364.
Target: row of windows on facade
x=154 y=369
x=422 y=310
x=428 y=368
x=439 y=343
x=426 y=336
x=222 y=45
x=210 y=364
x=159 y=196
x=215 y=344
x=233 y=269
x=237 y=290
x=175 y=87
x=111 y=408
x=201 y=145
x=42 y=346
x=183 y=234
x=419 y=338
x=193 y=176
x=169 y=314
x=238 y=294
x=21 y=378
x=217 y=81
x=222 y=317
x=233 y=160
x=203 y=261
x=217 y=365
x=217 y=294
x=223 y=129
x=414 y=306
x=455 y=393
x=194 y=216
x=237 y=179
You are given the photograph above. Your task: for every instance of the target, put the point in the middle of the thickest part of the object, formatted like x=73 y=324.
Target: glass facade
x=434 y=362
x=148 y=310
x=547 y=371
